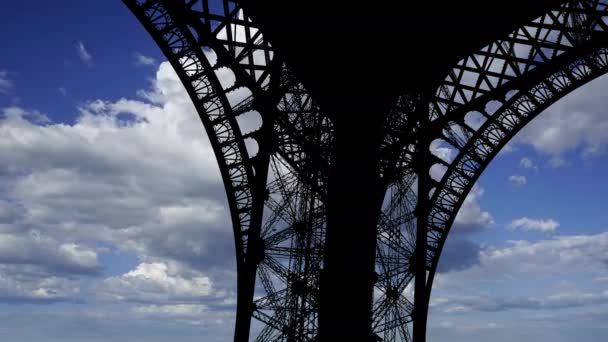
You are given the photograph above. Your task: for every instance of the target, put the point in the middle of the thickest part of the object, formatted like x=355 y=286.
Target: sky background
x=114 y=225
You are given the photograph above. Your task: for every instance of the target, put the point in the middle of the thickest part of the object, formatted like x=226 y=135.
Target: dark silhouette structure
x=348 y=136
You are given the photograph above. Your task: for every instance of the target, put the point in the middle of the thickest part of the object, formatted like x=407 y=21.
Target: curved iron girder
x=572 y=52
x=219 y=119
x=500 y=82
x=495 y=70
x=296 y=119
x=518 y=62
x=508 y=63
x=292 y=137
x=215 y=111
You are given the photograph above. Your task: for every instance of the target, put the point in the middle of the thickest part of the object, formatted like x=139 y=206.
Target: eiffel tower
x=351 y=133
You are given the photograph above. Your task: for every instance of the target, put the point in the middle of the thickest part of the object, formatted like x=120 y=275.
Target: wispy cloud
x=518 y=180
x=541 y=225
x=144 y=60
x=527 y=163
x=84 y=55
x=5 y=83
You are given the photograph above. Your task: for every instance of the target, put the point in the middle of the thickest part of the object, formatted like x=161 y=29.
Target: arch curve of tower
x=573 y=55
x=276 y=191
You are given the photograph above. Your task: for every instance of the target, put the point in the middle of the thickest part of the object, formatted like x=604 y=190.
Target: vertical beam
x=354 y=202
x=423 y=164
x=255 y=245
x=244 y=300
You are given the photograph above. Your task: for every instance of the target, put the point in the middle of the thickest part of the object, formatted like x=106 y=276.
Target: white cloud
x=138 y=176
x=575 y=123
x=47 y=253
x=442 y=151
x=63 y=91
x=541 y=225
x=84 y=55
x=144 y=60
x=471 y=216
x=562 y=255
x=516 y=285
x=159 y=282
x=22 y=284
x=460 y=251
x=527 y=163
x=6 y=85
x=518 y=180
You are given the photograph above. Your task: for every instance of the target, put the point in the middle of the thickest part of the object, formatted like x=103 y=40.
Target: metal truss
x=393 y=294
x=273 y=183
x=492 y=94
x=274 y=146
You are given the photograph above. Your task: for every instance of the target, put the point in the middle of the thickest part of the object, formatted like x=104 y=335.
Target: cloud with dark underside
x=578 y=122
x=459 y=251
x=147 y=185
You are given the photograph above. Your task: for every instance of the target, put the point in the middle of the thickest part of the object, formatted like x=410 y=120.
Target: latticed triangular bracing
x=490 y=95
x=508 y=62
x=393 y=295
x=274 y=147
x=270 y=171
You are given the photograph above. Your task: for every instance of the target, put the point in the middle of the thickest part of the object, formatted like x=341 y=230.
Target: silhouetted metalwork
x=276 y=149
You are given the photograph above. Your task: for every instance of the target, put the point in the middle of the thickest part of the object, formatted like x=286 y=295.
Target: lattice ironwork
x=270 y=172
x=393 y=297
x=489 y=96
x=274 y=147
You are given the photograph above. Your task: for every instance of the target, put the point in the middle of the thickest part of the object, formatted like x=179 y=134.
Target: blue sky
x=117 y=230
x=41 y=51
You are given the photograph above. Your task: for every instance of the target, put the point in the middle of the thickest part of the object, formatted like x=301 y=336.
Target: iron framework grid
x=273 y=144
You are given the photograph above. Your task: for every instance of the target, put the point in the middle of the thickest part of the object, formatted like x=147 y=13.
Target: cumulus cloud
x=137 y=175
x=83 y=54
x=528 y=224
x=575 y=123
x=144 y=60
x=516 y=285
x=159 y=282
x=471 y=217
x=47 y=254
x=460 y=251
x=23 y=284
x=561 y=255
x=6 y=85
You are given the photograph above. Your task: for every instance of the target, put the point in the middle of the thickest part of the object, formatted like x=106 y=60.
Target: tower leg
x=422 y=213
x=354 y=203
x=245 y=306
